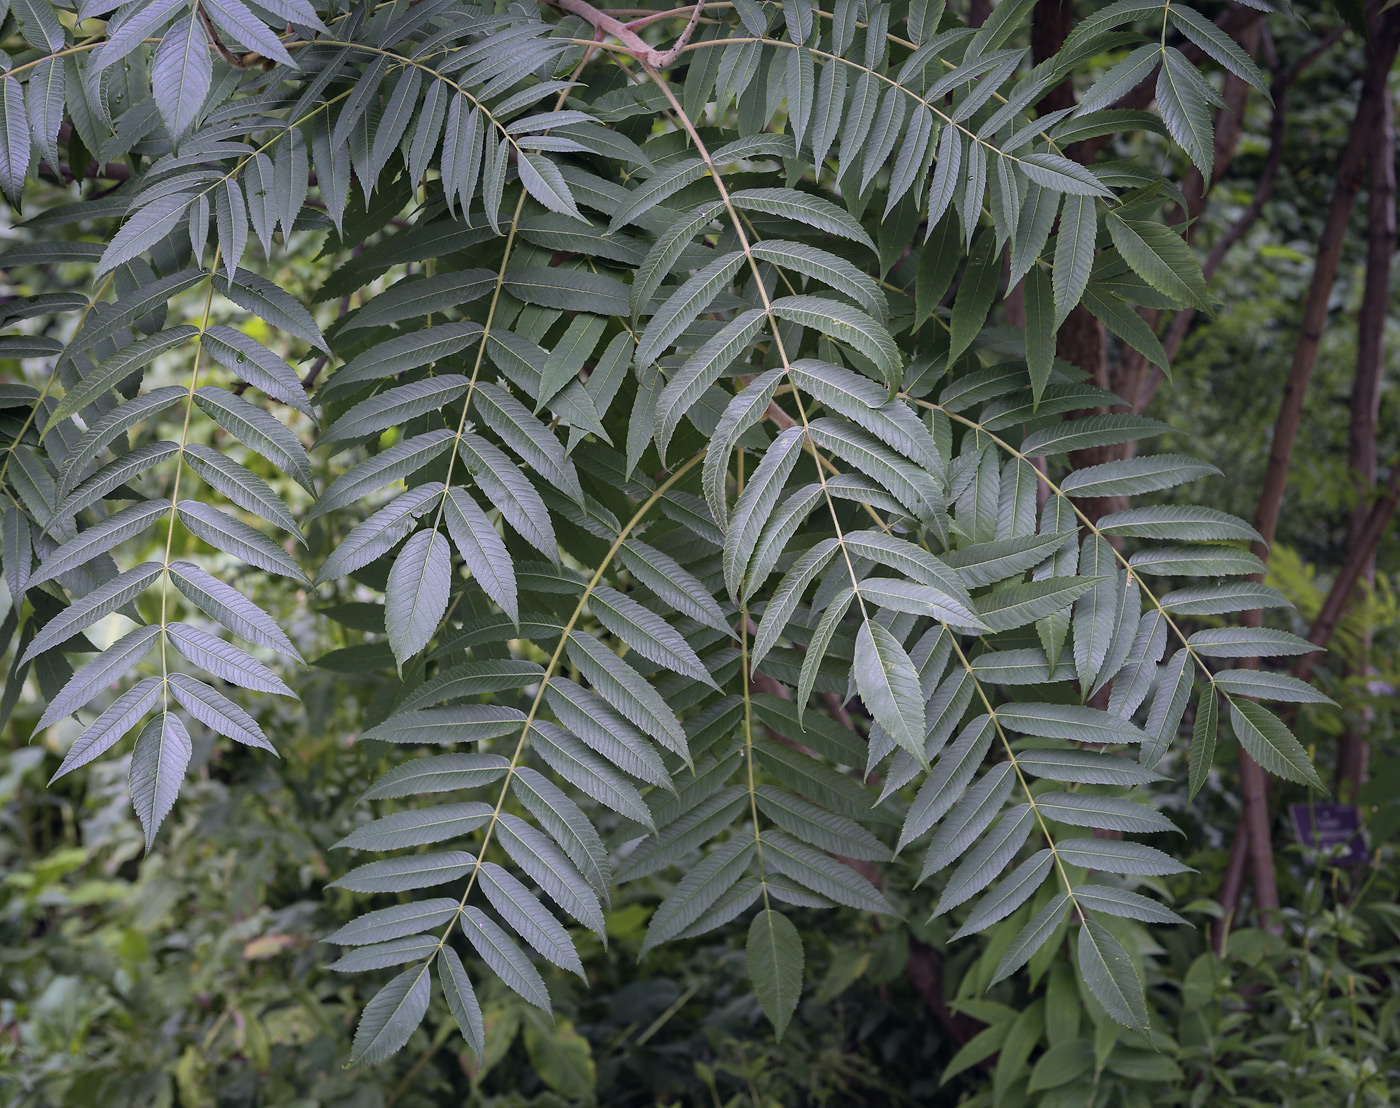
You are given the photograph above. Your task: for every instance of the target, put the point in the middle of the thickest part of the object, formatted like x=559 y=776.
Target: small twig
x=635 y=44
x=666 y=58
x=210 y=30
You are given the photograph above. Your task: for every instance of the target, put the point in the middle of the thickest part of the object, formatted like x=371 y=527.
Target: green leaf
x=391 y=1017
x=93 y=679
x=158 y=762
x=116 y=369
x=685 y=305
x=530 y=919
x=988 y=857
x=461 y=1000
x=418 y=826
x=788 y=595
x=1248 y=642
x=496 y=948
x=510 y=491
x=1184 y=99
x=1032 y=937
x=1068 y=721
x=1110 y=975
x=593 y=721
x=395 y=922
x=1118 y=856
x=1268 y=741
x=889 y=685
x=1195 y=524
x=969 y=818
x=568 y=356
x=573 y=289
x=440 y=773
x=774 y=955
x=975 y=294
x=1019 y=605
x=1090 y=431
x=550 y=868
x=818 y=826
x=387 y=359
x=847 y=324
x=181 y=74
x=223 y=660
x=665 y=253
x=87 y=610
x=108 y=728
x=235 y=537
x=394 y=406
x=828 y=268
x=482 y=549
x=545 y=183
x=98 y=539
x=1023 y=883
x=217 y=712
x=1114 y=901
x=949 y=779
x=1231 y=596
x=647 y=633
x=1040 y=330
x=673 y=583
x=1129 y=476
x=1085 y=767
x=415 y=598
x=257 y=430
x=1161 y=258
x=803 y=207
x=1110 y=813
x=566 y=824
x=756 y=503
x=396 y=952
x=415 y=871
x=240 y=485
x=1074 y=253
x=822 y=874
x=1264 y=684
x=592 y=775
x=625 y=689
x=1121 y=319
x=148 y=224
x=703 y=884
x=463 y=723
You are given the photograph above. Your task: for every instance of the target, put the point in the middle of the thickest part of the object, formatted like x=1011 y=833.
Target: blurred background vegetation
x=195 y=976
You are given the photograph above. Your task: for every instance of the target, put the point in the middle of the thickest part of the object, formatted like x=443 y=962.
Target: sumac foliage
x=651 y=424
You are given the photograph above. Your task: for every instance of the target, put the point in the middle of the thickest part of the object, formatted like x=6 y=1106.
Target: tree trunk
x=1360 y=554
x=1353 y=753
x=1380 y=54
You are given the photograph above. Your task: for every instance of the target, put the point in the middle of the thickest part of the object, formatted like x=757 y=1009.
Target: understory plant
x=669 y=427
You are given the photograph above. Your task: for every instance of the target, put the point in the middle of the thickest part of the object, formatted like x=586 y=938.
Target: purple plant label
x=1325 y=827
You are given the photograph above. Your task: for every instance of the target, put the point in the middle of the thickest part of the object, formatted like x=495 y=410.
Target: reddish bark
x=1381 y=52
x=1353 y=753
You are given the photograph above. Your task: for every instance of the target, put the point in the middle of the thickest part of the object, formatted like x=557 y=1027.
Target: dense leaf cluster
x=662 y=410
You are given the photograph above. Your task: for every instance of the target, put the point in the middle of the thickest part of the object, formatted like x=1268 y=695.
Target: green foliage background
x=192 y=967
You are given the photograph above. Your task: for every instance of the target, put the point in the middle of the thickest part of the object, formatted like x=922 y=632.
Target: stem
x=553 y=665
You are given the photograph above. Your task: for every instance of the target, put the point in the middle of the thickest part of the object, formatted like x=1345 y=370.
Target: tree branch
x=635 y=44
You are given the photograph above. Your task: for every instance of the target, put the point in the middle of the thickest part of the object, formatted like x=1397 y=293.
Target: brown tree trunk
x=1051 y=22
x=1354 y=750
x=1360 y=554
x=1380 y=54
